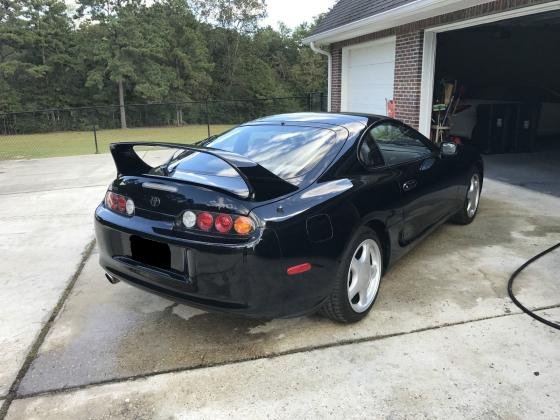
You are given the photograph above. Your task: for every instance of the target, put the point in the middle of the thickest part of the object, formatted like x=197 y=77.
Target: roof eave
x=408 y=13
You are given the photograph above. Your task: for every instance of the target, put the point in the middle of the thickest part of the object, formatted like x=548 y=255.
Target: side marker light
x=298 y=269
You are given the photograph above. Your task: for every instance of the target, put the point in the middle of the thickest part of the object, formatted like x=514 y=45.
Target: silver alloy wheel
x=473 y=195
x=364 y=275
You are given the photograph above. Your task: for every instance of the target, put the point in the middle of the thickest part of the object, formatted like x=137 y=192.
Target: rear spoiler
x=261 y=183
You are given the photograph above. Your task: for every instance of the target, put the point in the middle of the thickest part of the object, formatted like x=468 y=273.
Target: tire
x=354 y=269
x=467 y=213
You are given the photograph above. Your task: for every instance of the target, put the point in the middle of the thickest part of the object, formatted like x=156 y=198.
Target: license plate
x=152 y=253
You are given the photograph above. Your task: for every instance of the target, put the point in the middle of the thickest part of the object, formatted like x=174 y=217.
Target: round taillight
x=121 y=204
x=189 y=219
x=243 y=225
x=129 y=207
x=204 y=221
x=223 y=223
x=110 y=200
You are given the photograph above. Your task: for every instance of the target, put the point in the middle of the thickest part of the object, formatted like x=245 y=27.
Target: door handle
x=409 y=185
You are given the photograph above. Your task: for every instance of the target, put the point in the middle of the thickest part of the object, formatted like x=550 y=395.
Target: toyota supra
x=284 y=215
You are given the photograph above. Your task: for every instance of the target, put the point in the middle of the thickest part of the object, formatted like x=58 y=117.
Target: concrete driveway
x=443 y=340
x=45 y=225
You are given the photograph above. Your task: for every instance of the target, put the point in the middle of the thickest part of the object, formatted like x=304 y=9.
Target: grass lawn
x=72 y=143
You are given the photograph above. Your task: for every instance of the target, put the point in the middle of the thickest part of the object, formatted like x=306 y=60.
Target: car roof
x=342 y=119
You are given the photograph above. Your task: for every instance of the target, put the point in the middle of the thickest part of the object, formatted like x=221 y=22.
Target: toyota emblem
x=155 y=201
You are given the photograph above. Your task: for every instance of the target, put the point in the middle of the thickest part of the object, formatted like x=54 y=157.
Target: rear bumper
x=246 y=279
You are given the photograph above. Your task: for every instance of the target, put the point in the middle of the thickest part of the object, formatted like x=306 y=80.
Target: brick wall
x=408 y=76
x=336 y=57
x=408 y=58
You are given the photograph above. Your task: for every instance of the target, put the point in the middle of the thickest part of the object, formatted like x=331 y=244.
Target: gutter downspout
x=317 y=50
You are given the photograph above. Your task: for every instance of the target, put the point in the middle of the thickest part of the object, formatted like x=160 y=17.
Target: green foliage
x=152 y=51
x=36 y=37
x=242 y=16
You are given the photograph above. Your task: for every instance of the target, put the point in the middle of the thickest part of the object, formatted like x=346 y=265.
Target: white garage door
x=368 y=73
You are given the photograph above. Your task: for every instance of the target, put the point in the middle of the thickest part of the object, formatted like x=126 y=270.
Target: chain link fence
x=88 y=130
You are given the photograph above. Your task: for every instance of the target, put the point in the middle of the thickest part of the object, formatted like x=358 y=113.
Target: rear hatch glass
x=286 y=151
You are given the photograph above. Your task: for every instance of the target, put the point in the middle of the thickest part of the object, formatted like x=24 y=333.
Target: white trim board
x=427 y=83
x=410 y=12
x=430 y=49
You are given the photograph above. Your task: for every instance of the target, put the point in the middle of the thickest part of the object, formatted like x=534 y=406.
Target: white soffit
x=408 y=13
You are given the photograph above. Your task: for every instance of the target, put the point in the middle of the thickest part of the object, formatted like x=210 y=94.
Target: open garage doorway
x=497 y=86
x=503 y=80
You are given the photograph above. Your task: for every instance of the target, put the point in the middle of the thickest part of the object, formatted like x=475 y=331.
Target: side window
x=398 y=143
x=369 y=152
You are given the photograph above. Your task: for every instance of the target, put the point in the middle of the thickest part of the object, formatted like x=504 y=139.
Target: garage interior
x=497 y=85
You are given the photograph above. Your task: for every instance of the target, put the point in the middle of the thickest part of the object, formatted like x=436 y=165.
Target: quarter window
x=369 y=152
x=398 y=143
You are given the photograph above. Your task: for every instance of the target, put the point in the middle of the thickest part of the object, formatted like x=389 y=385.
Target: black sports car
x=283 y=215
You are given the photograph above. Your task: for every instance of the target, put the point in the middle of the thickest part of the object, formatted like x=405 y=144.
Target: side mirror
x=448 y=149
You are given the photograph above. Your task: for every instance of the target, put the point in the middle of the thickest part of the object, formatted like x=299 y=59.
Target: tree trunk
x=121 y=104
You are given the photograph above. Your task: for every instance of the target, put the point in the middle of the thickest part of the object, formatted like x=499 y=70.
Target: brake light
x=204 y=221
x=217 y=222
x=223 y=223
x=119 y=203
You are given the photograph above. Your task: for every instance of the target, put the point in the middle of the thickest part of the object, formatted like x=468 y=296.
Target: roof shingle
x=348 y=11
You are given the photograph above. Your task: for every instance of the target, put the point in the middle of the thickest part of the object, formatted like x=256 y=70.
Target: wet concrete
x=458 y=274
x=45 y=225
x=504 y=367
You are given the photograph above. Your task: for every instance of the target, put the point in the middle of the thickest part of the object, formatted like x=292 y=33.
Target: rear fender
x=297 y=218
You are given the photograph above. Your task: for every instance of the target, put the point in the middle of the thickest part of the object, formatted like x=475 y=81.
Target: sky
x=294 y=12
x=291 y=12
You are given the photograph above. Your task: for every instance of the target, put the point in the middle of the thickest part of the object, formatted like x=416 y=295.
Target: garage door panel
x=382 y=73
x=370 y=92
x=369 y=87
x=368 y=76
x=354 y=65
x=366 y=92
x=384 y=52
x=370 y=108
x=363 y=102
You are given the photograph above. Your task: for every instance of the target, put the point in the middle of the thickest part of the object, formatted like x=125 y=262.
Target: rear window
x=205 y=169
x=286 y=151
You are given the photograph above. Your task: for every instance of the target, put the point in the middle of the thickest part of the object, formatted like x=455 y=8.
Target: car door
x=426 y=194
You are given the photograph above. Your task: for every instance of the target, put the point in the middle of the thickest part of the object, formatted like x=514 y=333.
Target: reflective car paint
x=312 y=224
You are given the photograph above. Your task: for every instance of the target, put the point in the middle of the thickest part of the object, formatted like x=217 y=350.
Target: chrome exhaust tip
x=112 y=280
